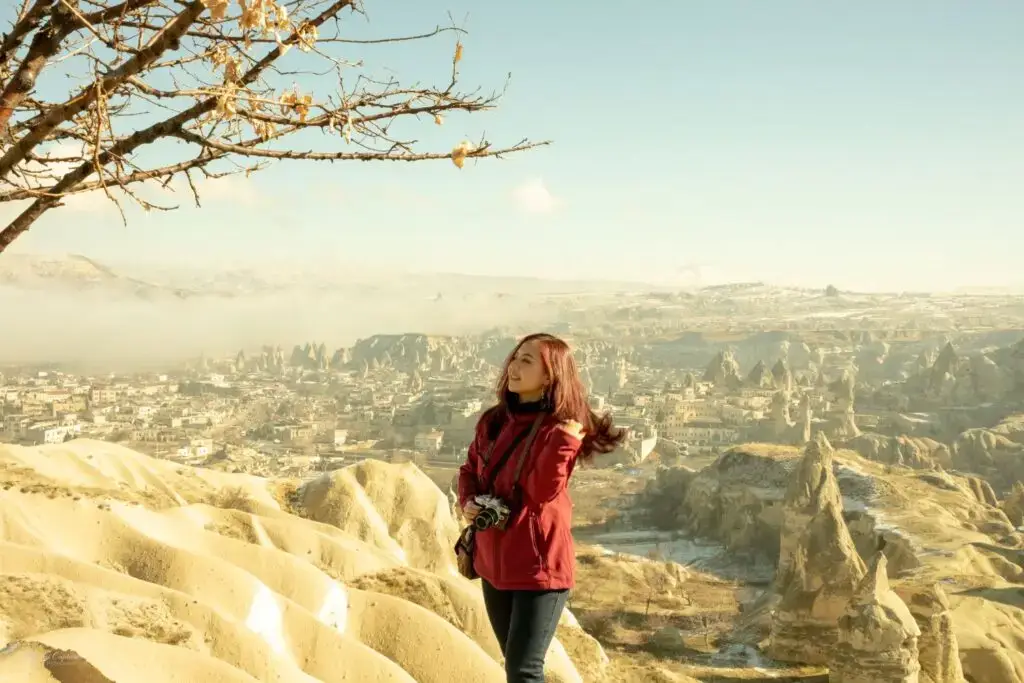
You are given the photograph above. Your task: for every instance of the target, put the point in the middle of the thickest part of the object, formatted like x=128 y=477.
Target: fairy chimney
x=819 y=568
x=877 y=634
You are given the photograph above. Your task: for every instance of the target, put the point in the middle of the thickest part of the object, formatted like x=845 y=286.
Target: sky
x=872 y=145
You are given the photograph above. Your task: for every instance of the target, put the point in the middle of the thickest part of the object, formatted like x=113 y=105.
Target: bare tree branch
x=160 y=42
x=183 y=71
x=64 y=20
x=44 y=46
x=480 y=151
x=27 y=22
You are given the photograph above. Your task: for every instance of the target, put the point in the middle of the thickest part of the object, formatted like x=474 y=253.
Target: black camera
x=494 y=513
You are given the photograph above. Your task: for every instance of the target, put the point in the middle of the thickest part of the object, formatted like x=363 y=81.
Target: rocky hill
x=837 y=528
x=118 y=567
x=77 y=273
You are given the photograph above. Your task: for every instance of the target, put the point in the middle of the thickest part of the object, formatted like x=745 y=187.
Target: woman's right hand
x=471 y=510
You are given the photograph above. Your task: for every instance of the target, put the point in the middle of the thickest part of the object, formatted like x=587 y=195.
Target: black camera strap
x=529 y=435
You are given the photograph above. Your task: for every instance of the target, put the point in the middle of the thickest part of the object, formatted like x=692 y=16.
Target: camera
x=494 y=513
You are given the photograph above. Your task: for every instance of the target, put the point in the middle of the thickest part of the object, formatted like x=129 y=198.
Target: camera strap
x=529 y=435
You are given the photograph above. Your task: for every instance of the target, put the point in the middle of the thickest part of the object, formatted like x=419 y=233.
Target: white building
x=428 y=443
x=51 y=433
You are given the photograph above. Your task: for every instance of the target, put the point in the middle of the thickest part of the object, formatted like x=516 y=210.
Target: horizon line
x=653 y=285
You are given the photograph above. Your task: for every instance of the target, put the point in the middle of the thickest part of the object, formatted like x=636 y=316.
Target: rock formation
x=990 y=381
x=841 y=419
x=982 y=491
x=782 y=377
x=1015 y=362
x=723 y=370
x=954 y=379
x=781 y=428
x=806 y=416
x=987 y=452
x=664 y=496
x=924 y=362
x=1013 y=506
x=819 y=568
x=760 y=377
x=946 y=367
x=932 y=521
x=780 y=422
x=877 y=634
x=938 y=651
x=909 y=451
x=871 y=357
x=724 y=501
x=408 y=352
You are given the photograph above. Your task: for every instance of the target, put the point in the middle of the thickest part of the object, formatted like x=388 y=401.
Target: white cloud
x=533 y=196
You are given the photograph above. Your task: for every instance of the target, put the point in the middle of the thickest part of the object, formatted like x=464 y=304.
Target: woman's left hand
x=572 y=428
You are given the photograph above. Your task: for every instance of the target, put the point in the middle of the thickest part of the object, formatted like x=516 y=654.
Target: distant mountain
x=77 y=273
x=184 y=281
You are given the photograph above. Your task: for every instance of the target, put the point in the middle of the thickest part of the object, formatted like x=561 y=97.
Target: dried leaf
x=218 y=9
x=308 y=35
x=302 y=105
x=287 y=101
x=264 y=129
x=231 y=71
x=220 y=55
x=281 y=22
x=438 y=119
x=460 y=152
x=458 y=52
x=226 y=103
x=261 y=15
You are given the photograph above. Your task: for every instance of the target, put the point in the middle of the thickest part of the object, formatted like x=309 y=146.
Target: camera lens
x=485 y=519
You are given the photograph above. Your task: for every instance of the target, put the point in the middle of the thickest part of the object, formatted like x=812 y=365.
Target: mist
x=104 y=331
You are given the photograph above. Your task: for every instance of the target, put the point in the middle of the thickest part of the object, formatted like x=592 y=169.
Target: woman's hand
x=572 y=428
x=471 y=510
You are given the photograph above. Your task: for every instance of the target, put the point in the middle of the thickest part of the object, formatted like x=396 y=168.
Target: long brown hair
x=566 y=397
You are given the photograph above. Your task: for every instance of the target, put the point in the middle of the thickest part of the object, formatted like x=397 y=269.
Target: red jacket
x=535 y=551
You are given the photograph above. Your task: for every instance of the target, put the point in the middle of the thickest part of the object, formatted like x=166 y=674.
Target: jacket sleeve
x=467 y=473
x=549 y=473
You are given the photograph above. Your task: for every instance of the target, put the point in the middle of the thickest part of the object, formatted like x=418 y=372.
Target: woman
x=528 y=568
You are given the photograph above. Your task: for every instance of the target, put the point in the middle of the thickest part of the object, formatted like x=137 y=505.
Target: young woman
x=528 y=568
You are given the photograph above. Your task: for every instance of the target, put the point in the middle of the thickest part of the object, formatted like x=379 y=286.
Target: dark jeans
x=524 y=623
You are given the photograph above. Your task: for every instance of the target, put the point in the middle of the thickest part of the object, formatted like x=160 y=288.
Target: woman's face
x=526 y=374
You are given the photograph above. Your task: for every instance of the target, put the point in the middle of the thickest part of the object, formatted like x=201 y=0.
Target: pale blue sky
x=871 y=144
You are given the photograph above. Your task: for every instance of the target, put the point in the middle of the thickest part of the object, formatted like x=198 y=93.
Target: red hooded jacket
x=535 y=551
